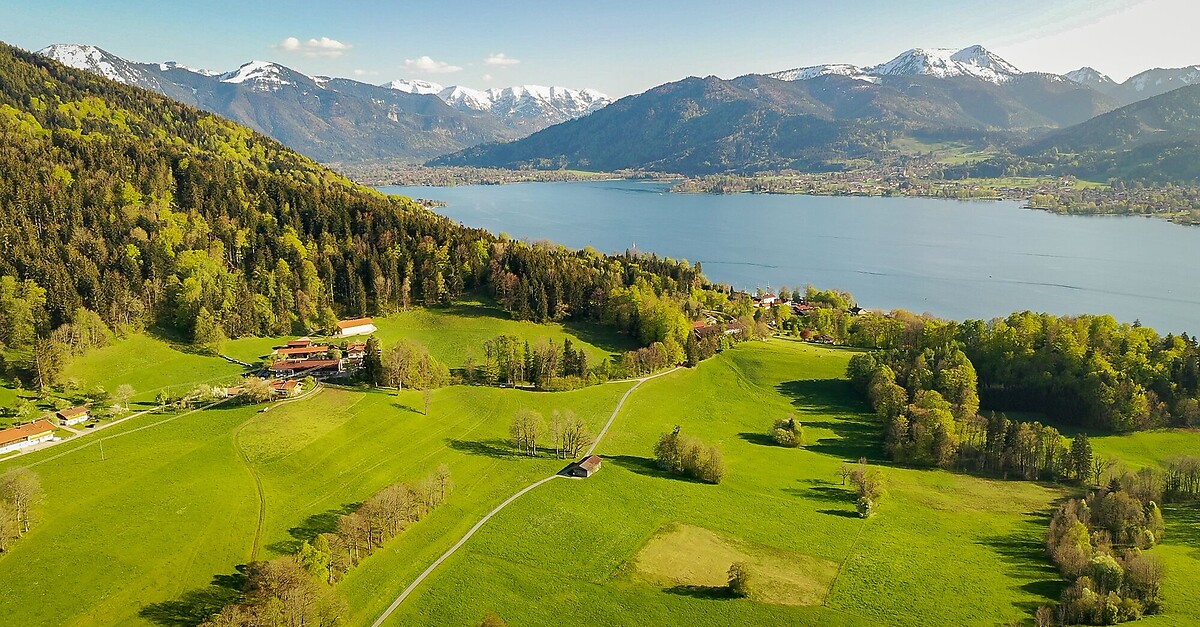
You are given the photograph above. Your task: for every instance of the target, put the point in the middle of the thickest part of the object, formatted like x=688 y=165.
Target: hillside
x=1155 y=140
x=752 y=123
x=148 y=211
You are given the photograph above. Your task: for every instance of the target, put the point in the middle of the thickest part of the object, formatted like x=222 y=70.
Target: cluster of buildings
x=42 y=430
x=304 y=357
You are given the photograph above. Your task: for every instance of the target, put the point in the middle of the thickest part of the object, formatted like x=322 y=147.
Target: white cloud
x=429 y=66
x=499 y=58
x=487 y=77
x=316 y=47
x=365 y=73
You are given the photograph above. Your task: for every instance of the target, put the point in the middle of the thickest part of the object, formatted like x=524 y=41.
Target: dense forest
x=146 y=211
x=932 y=376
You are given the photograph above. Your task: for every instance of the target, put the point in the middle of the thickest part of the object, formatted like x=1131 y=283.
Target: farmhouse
x=586 y=467
x=74 y=415
x=286 y=389
x=312 y=351
x=26 y=435
x=356 y=326
x=306 y=367
x=356 y=351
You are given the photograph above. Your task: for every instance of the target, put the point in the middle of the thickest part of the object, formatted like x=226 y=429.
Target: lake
x=955 y=259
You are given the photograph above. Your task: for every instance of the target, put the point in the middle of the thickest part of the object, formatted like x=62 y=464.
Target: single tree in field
x=1044 y=616
x=427 y=395
x=123 y=395
x=844 y=472
x=740 y=580
x=444 y=481
x=21 y=489
x=258 y=390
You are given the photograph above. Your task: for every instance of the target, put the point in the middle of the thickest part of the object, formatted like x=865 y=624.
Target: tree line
x=20 y=493
x=566 y=433
x=292 y=591
x=1107 y=375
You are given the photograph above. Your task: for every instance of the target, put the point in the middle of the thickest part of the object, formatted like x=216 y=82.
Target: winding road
x=463 y=540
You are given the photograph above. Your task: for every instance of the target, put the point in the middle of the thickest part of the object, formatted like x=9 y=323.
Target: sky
x=620 y=47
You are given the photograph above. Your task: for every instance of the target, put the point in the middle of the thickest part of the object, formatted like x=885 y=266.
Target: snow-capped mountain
x=328 y=119
x=97 y=61
x=973 y=61
x=1140 y=86
x=414 y=86
x=526 y=107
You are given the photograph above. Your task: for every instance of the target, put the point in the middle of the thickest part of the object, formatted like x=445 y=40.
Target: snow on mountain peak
x=1089 y=76
x=175 y=65
x=974 y=61
x=414 y=86
x=262 y=75
x=93 y=59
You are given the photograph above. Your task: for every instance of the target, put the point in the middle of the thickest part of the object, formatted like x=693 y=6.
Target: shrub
x=740 y=580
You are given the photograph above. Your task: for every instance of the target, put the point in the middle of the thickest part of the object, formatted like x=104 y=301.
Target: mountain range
x=343 y=120
x=825 y=117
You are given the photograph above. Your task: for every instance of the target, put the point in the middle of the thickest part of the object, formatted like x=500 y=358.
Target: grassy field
x=150 y=365
x=154 y=532
x=454 y=333
x=581 y=548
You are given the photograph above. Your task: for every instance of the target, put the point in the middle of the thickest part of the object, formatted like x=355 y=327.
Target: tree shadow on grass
x=197 y=605
x=833 y=404
x=495 y=448
x=844 y=513
x=761 y=439
x=701 y=592
x=1183 y=526
x=407 y=408
x=1023 y=553
x=647 y=467
x=313 y=526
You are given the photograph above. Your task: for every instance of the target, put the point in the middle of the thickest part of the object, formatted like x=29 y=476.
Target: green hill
x=148 y=211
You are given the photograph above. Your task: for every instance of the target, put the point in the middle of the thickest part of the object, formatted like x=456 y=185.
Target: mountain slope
x=148 y=211
x=1154 y=140
x=1139 y=87
x=754 y=122
x=326 y=119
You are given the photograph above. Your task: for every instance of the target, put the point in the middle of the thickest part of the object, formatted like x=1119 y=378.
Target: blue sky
x=617 y=46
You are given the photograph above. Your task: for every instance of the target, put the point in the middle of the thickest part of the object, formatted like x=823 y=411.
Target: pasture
x=155 y=532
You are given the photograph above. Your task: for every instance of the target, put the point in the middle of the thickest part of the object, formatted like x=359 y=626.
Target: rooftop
x=24 y=432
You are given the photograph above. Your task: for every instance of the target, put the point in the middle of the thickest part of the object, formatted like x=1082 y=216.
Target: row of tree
x=20 y=492
x=566 y=433
x=291 y=591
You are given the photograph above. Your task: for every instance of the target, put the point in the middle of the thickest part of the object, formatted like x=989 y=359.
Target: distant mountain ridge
x=339 y=119
x=975 y=61
x=1138 y=87
x=807 y=118
x=531 y=107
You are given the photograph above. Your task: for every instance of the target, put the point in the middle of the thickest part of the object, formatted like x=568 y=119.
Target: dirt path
x=463 y=540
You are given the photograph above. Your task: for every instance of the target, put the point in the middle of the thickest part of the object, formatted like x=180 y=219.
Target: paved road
x=463 y=540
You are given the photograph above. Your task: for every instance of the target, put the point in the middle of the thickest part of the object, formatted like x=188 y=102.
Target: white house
x=26 y=435
x=74 y=415
x=357 y=326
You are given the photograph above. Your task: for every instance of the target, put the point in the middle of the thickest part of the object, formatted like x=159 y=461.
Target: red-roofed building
x=26 y=435
x=306 y=367
x=283 y=388
x=311 y=351
x=355 y=326
x=587 y=466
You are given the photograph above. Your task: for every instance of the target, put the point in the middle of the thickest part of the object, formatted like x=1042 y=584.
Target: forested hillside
x=144 y=210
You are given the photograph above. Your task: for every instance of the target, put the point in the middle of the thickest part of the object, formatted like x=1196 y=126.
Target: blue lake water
x=951 y=258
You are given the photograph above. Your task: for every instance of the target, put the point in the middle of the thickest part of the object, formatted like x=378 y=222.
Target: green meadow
x=153 y=531
x=457 y=332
